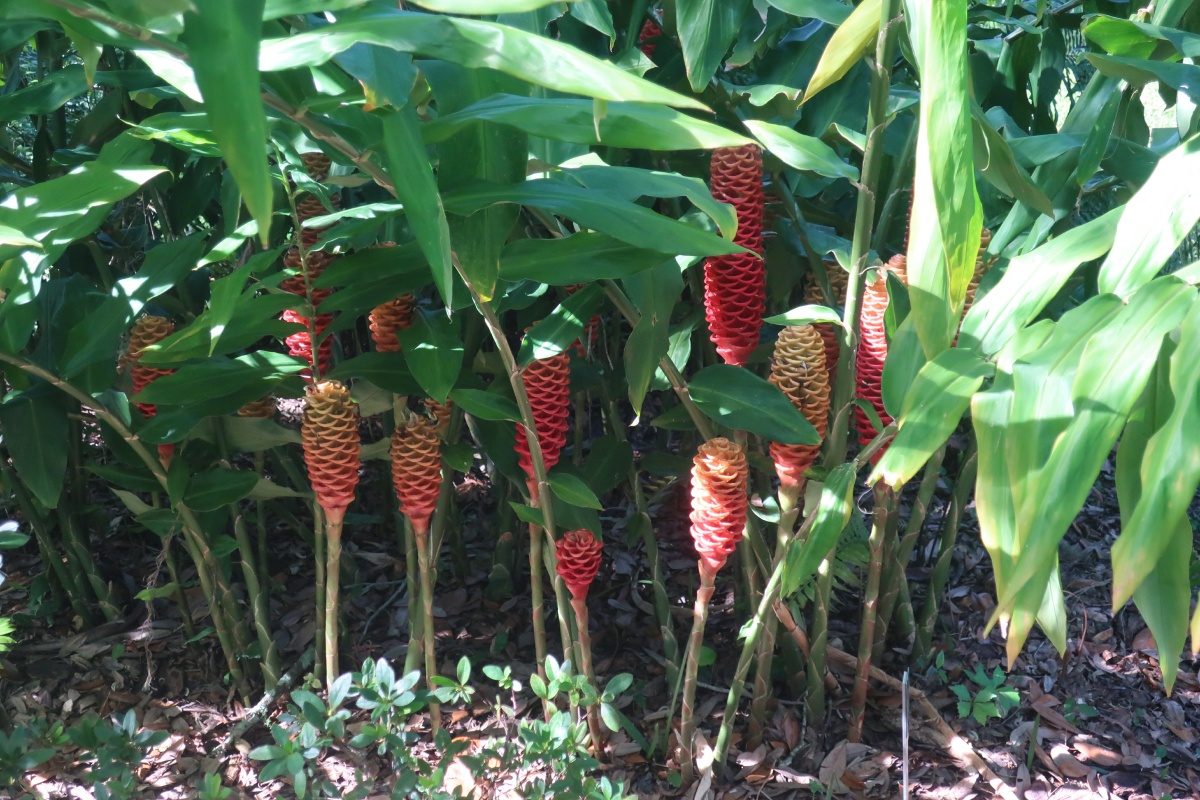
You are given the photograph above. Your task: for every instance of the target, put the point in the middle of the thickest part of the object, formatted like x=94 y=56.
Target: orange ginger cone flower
x=331 y=446
x=262 y=408
x=799 y=371
x=146 y=331
x=317 y=164
x=838 y=280
x=719 y=501
x=578 y=561
x=440 y=413
x=872 y=353
x=735 y=286
x=388 y=319
x=548 y=385
x=417 y=469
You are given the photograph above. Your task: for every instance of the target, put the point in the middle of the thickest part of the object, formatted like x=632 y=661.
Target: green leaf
x=933 y=406
x=1154 y=222
x=565 y=119
x=1032 y=280
x=579 y=258
x=905 y=358
x=413 y=179
x=219 y=377
x=222 y=37
x=806 y=315
x=44 y=96
x=1169 y=475
x=854 y=38
x=599 y=211
x=804 y=555
x=655 y=292
x=473 y=44
x=608 y=463
x=1164 y=597
x=946 y=217
x=37 y=438
x=483 y=6
x=739 y=399
x=388 y=371
x=227 y=291
x=707 y=30
x=562 y=327
x=799 y=151
x=571 y=489
x=529 y=514
x=208 y=491
x=995 y=161
x=433 y=351
x=832 y=12
x=485 y=405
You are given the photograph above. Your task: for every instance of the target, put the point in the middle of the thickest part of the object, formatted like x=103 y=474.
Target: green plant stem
x=895 y=573
x=627 y=310
x=687 y=721
x=185 y=610
x=82 y=554
x=260 y=524
x=428 y=579
x=414 y=656
x=538 y=601
x=885 y=500
x=333 y=579
x=259 y=604
x=584 y=642
x=864 y=219
x=941 y=569
x=818 y=642
x=319 y=562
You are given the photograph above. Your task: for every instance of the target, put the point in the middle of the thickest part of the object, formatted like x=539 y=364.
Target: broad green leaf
x=563 y=327
x=806 y=315
x=737 y=398
x=1139 y=72
x=250 y=435
x=268 y=490
x=222 y=37
x=207 y=491
x=946 y=217
x=416 y=186
x=607 y=463
x=707 y=29
x=799 y=151
x=854 y=38
x=433 y=351
x=387 y=77
x=1164 y=596
x=1112 y=370
x=833 y=12
x=1170 y=473
x=484 y=6
x=833 y=512
x=37 y=438
x=599 y=211
x=995 y=161
x=1154 y=222
x=218 y=377
x=571 y=489
x=285 y=8
x=595 y=14
x=579 y=258
x=1032 y=280
x=485 y=405
x=933 y=407
x=633 y=125
x=473 y=44
x=905 y=359
x=655 y=292
x=44 y=96
x=388 y=371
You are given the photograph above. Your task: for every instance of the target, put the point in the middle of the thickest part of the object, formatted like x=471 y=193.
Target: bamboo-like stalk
x=414 y=656
x=584 y=642
x=319 y=560
x=333 y=579
x=894 y=576
x=260 y=523
x=941 y=569
x=185 y=611
x=259 y=604
x=428 y=578
x=687 y=722
x=82 y=555
x=885 y=501
x=818 y=641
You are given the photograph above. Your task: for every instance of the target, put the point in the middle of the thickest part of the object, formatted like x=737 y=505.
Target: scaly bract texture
x=548 y=385
x=798 y=369
x=719 y=501
x=331 y=442
x=417 y=469
x=578 y=560
x=388 y=319
x=872 y=353
x=148 y=330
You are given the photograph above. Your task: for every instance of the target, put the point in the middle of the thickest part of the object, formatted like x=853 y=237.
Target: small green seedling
x=993 y=700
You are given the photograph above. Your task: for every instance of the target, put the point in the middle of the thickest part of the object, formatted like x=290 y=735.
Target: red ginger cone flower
x=578 y=561
x=872 y=353
x=650 y=32
x=262 y=408
x=838 y=281
x=719 y=501
x=440 y=413
x=590 y=330
x=300 y=343
x=548 y=385
x=417 y=469
x=388 y=319
x=331 y=446
x=799 y=371
x=735 y=286
x=317 y=164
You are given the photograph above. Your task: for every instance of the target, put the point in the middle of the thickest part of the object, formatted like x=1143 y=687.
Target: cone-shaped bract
x=578 y=560
x=719 y=501
x=548 y=385
x=798 y=369
x=331 y=445
x=417 y=469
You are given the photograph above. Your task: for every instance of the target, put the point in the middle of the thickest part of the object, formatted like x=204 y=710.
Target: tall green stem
x=885 y=500
x=412 y=575
x=687 y=721
x=333 y=579
x=319 y=560
x=585 y=665
x=941 y=569
x=428 y=579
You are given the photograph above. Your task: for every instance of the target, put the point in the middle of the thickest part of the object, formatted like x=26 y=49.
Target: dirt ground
x=1094 y=722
